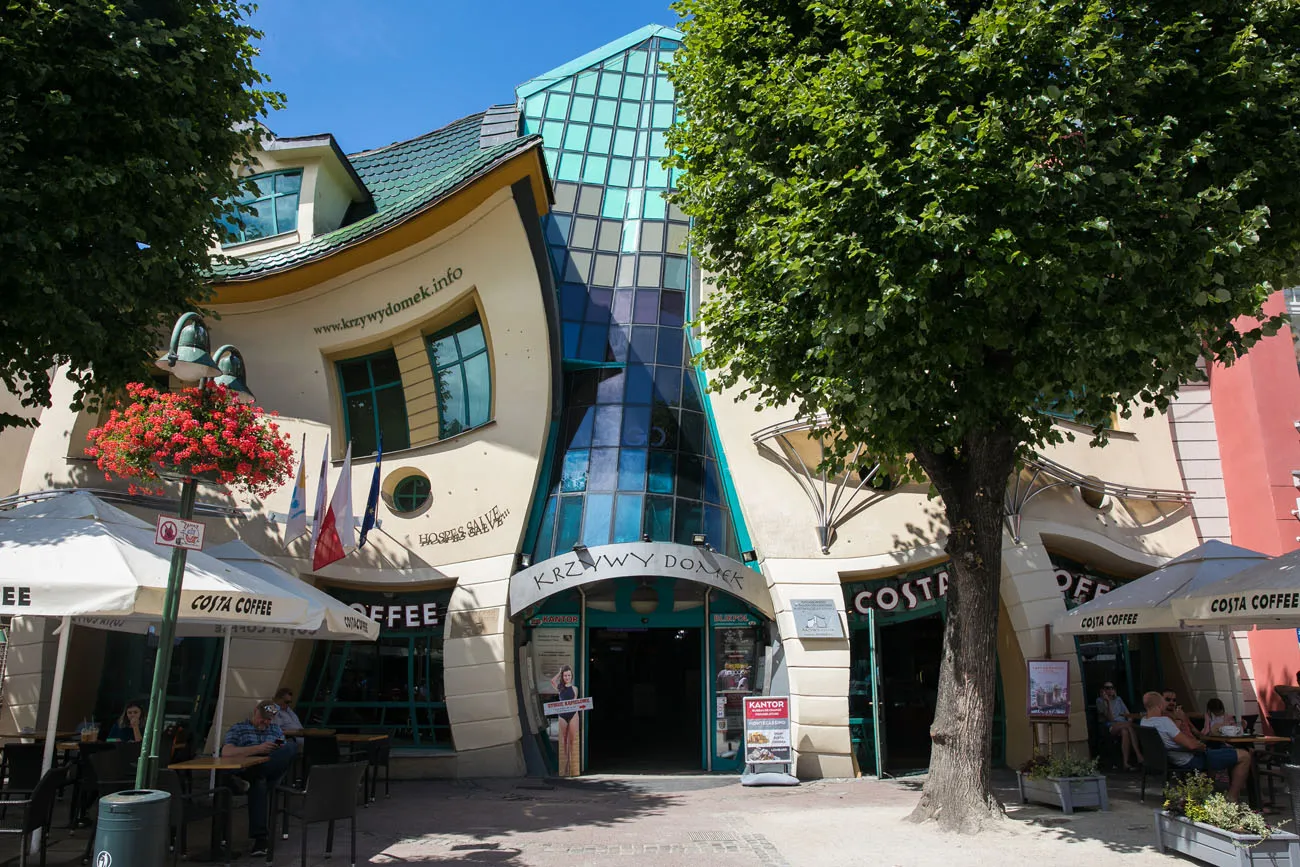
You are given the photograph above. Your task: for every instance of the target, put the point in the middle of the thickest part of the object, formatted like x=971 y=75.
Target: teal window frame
x=404 y=441
x=235 y=224
x=423 y=721
x=410 y=494
x=445 y=428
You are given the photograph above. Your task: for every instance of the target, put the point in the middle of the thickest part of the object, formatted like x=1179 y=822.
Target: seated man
x=259 y=736
x=1114 y=714
x=1186 y=751
x=1175 y=712
x=285 y=717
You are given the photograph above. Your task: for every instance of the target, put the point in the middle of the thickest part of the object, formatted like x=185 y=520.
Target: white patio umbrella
x=335 y=620
x=1266 y=596
x=1145 y=604
x=1148 y=604
x=75 y=555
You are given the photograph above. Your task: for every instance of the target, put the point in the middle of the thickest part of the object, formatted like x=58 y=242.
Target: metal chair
x=320 y=750
x=22 y=763
x=377 y=754
x=330 y=795
x=188 y=806
x=1155 y=759
x=38 y=811
x=23 y=766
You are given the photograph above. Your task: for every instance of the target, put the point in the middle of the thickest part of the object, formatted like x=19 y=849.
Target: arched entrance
x=665 y=640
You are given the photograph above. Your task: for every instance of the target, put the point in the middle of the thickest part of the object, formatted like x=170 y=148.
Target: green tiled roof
x=404 y=179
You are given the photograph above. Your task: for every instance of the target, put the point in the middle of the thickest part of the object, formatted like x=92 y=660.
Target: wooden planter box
x=1066 y=792
x=1224 y=848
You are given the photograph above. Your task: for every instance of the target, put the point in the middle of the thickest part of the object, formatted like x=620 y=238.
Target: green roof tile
x=404 y=178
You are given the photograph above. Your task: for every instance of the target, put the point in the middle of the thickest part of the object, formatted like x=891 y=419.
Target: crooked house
x=505 y=301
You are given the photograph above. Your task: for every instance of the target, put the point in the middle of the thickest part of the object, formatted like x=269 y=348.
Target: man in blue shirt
x=259 y=736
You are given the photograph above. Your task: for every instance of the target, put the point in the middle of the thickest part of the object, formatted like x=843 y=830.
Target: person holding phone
x=259 y=736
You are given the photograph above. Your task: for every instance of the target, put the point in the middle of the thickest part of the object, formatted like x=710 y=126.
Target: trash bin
x=132 y=829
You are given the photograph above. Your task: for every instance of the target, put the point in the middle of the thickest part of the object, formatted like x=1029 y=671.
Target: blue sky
x=382 y=71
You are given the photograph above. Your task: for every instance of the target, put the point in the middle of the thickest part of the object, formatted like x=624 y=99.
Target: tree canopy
x=948 y=216
x=935 y=219
x=119 y=125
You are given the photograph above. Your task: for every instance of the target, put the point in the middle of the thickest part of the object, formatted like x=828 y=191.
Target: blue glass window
x=374 y=404
x=463 y=375
x=627 y=520
x=569 y=524
x=273 y=208
x=596 y=520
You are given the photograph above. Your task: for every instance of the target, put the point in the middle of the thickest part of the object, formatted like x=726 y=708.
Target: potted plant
x=1206 y=826
x=1063 y=781
x=200 y=432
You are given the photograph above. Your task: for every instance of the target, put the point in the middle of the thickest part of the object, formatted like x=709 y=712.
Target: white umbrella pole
x=221 y=702
x=1234 y=677
x=56 y=693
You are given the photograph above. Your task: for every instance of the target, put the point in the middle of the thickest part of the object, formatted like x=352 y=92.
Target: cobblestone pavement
x=701 y=820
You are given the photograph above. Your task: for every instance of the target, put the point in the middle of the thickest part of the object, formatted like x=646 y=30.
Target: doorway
x=910 y=653
x=646 y=714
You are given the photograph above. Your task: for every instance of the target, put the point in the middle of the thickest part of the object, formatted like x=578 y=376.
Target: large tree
x=119 y=124
x=931 y=219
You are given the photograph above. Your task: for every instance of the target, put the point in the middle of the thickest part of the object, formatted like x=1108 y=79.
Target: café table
x=35 y=736
x=368 y=785
x=220 y=843
x=300 y=733
x=1249 y=742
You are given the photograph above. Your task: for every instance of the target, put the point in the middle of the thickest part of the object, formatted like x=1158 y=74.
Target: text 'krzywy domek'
x=566 y=511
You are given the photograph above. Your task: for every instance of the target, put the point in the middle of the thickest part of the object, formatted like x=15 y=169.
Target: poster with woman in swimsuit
x=566 y=688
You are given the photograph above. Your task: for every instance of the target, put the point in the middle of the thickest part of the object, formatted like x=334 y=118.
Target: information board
x=767 y=729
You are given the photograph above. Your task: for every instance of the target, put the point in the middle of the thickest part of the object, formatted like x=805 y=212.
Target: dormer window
x=274 y=207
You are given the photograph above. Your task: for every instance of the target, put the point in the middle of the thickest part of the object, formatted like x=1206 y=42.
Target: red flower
x=198 y=430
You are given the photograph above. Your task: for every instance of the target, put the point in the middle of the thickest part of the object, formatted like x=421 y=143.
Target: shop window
x=374 y=404
x=273 y=208
x=460 y=363
x=394 y=684
x=411 y=494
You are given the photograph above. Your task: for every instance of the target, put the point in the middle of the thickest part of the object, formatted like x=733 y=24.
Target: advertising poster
x=552 y=650
x=1049 y=689
x=767 y=729
x=735 y=649
x=555 y=674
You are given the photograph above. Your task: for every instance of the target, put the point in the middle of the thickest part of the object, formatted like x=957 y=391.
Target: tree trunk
x=973 y=485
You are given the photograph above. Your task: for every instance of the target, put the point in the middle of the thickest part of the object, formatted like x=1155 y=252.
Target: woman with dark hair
x=128 y=725
x=567 y=690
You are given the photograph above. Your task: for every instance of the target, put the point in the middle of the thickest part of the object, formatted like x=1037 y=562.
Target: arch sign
x=634 y=560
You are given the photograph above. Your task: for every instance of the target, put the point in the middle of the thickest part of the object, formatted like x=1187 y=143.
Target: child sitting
x=1216 y=717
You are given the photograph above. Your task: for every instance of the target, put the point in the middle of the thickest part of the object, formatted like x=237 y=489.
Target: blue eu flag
x=372 y=499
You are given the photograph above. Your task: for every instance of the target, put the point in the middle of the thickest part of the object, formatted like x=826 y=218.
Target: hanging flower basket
x=199 y=432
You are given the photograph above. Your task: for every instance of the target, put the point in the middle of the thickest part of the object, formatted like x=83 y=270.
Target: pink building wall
x=1256 y=405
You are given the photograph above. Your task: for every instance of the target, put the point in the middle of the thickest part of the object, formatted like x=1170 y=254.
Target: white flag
x=338 y=533
x=319 y=514
x=296 y=525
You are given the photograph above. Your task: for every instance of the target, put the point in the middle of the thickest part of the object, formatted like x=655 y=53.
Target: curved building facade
x=585 y=560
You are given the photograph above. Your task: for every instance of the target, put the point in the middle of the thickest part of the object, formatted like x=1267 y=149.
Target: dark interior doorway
x=910 y=653
x=646 y=701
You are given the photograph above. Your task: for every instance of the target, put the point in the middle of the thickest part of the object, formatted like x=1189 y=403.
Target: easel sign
x=1049 y=690
x=767 y=730
x=1048 y=702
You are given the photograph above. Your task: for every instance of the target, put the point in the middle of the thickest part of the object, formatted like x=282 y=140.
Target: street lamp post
x=187 y=359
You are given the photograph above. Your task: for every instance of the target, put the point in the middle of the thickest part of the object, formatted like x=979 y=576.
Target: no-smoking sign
x=178 y=533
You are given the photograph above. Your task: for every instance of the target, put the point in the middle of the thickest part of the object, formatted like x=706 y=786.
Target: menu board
x=767 y=729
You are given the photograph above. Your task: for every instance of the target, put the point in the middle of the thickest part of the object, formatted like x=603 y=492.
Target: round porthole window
x=411 y=494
